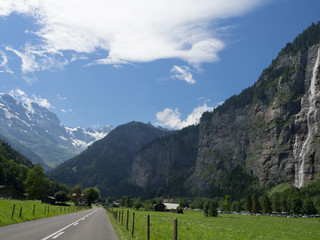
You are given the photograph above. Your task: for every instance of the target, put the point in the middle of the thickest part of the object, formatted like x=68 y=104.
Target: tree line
x=19 y=173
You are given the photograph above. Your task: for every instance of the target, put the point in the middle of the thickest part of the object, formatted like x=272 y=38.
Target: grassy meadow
x=193 y=225
x=40 y=211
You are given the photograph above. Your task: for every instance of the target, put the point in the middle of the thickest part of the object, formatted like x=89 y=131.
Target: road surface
x=91 y=224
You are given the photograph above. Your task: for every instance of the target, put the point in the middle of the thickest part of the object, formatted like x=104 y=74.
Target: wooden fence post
x=132 y=230
x=20 y=212
x=121 y=217
x=148 y=227
x=34 y=208
x=14 y=206
x=127 y=226
x=175 y=229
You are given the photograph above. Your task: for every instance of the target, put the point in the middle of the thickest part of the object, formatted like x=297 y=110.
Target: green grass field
x=41 y=211
x=193 y=225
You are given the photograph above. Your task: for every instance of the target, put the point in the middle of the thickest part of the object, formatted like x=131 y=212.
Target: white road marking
x=58 y=235
x=62 y=229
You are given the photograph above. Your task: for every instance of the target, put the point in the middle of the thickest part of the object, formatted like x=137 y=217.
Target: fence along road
x=89 y=224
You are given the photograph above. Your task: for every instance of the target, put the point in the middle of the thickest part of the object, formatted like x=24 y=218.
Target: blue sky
x=103 y=62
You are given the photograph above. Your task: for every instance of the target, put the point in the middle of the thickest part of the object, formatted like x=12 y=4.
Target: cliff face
x=164 y=165
x=271 y=130
x=275 y=137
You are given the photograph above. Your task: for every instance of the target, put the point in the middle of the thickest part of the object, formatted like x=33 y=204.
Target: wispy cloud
x=182 y=73
x=127 y=31
x=172 y=118
x=61 y=98
x=4 y=63
x=66 y=110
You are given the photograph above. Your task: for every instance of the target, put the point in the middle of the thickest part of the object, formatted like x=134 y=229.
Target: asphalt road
x=91 y=224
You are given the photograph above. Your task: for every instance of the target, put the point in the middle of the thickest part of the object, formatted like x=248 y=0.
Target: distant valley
x=266 y=135
x=39 y=135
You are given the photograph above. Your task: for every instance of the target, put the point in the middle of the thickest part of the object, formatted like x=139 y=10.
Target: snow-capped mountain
x=38 y=133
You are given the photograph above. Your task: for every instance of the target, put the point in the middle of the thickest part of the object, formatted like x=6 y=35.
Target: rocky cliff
x=270 y=130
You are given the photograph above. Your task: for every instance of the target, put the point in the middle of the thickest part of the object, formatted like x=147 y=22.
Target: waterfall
x=312 y=128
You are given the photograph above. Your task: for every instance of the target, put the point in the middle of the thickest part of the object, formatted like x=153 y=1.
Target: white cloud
x=23 y=97
x=61 y=98
x=127 y=31
x=30 y=80
x=172 y=118
x=182 y=73
x=35 y=58
x=4 y=63
x=66 y=110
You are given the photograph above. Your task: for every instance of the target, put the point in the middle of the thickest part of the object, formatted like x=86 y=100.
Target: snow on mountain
x=29 y=123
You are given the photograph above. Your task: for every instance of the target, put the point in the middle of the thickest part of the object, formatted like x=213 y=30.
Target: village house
x=160 y=207
x=48 y=200
x=10 y=192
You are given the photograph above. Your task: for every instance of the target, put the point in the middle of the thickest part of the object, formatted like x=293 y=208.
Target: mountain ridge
x=267 y=134
x=39 y=134
x=109 y=158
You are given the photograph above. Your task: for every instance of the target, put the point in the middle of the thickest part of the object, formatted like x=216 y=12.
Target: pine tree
x=206 y=209
x=256 y=207
x=266 y=205
x=308 y=207
x=276 y=202
x=248 y=204
x=213 y=205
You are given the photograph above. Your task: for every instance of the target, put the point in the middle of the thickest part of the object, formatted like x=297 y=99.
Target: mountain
x=269 y=133
x=13 y=167
x=38 y=133
x=107 y=162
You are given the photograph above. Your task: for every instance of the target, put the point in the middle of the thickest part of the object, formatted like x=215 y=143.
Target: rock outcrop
x=271 y=130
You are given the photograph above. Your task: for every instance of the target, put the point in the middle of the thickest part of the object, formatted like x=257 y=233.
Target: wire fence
x=142 y=226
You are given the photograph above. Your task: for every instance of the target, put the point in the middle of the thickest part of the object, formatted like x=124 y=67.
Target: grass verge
x=30 y=210
x=193 y=225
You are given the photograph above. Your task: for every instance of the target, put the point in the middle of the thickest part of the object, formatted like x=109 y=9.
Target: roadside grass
x=41 y=211
x=193 y=225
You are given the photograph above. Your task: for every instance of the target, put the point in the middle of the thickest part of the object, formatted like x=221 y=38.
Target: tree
x=77 y=189
x=206 y=209
x=91 y=194
x=61 y=196
x=276 y=202
x=137 y=204
x=266 y=205
x=308 y=207
x=248 y=204
x=284 y=202
x=256 y=207
x=35 y=182
x=126 y=201
x=3 y=175
x=184 y=202
x=213 y=205
x=227 y=203
x=294 y=201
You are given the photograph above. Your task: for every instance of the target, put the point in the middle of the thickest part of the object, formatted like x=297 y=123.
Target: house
x=81 y=201
x=160 y=207
x=10 y=192
x=48 y=200
x=171 y=206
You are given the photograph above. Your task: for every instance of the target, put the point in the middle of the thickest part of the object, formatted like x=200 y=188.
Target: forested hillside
x=13 y=167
